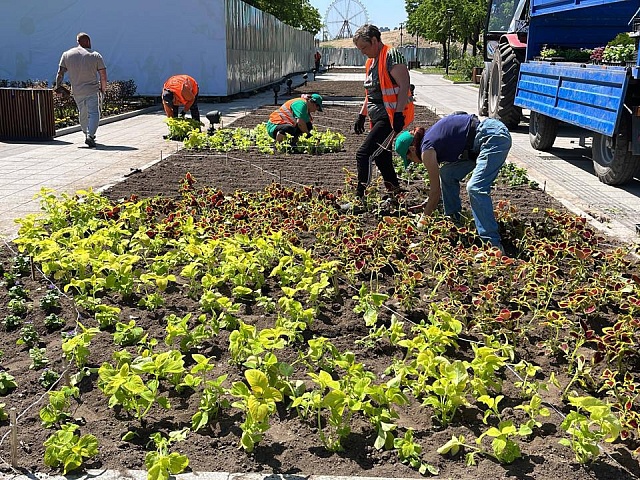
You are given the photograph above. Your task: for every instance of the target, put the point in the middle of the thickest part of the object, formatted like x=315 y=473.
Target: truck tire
x=483 y=93
x=612 y=161
x=503 y=79
x=542 y=131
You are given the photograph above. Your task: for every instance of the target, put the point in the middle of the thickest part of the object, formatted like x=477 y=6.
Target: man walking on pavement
x=84 y=66
x=389 y=105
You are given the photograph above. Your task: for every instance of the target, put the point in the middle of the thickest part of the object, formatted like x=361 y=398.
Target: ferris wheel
x=343 y=18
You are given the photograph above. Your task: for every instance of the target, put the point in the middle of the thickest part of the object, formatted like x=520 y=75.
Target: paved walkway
x=65 y=164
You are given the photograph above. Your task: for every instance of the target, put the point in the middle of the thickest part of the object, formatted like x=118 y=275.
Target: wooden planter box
x=27 y=114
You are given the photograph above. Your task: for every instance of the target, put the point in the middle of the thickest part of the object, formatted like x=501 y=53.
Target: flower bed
x=289 y=337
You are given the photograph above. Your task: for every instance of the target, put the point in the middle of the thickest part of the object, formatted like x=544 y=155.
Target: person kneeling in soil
x=180 y=90
x=294 y=117
x=454 y=146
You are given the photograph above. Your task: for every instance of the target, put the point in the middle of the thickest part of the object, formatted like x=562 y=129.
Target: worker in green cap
x=294 y=117
x=453 y=147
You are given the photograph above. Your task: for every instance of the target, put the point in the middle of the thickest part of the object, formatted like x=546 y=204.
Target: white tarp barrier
x=148 y=41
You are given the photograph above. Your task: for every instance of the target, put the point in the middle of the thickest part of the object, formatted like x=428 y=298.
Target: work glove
x=422 y=222
x=182 y=114
x=359 y=125
x=398 y=122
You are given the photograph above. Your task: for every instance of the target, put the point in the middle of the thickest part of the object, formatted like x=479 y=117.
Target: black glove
x=183 y=113
x=359 y=125
x=398 y=122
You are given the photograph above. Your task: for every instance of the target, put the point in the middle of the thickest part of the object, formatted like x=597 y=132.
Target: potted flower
x=619 y=51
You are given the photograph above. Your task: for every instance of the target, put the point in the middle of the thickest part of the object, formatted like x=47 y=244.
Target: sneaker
x=90 y=141
x=353 y=208
x=388 y=205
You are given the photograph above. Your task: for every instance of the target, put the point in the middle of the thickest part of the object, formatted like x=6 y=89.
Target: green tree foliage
x=297 y=13
x=429 y=19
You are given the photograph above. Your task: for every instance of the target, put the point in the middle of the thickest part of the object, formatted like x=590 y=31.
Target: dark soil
x=290 y=446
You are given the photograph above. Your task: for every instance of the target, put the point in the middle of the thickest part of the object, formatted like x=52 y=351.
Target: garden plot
x=225 y=298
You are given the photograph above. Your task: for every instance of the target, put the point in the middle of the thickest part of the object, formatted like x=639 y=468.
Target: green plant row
x=243 y=139
x=220 y=249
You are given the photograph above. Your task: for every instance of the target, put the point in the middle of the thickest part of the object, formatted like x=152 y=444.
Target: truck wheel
x=542 y=131
x=483 y=94
x=503 y=80
x=612 y=161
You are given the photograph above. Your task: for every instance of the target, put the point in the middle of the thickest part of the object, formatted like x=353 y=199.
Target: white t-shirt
x=82 y=65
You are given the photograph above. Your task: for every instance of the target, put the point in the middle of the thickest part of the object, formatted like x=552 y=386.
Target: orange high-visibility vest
x=389 y=90
x=184 y=89
x=284 y=115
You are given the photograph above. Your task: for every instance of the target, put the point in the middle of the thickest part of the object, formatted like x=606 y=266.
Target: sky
x=382 y=13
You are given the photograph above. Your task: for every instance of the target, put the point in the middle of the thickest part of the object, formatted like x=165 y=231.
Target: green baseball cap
x=403 y=142
x=317 y=99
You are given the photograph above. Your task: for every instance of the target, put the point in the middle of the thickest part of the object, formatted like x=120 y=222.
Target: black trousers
x=292 y=130
x=167 y=96
x=377 y=135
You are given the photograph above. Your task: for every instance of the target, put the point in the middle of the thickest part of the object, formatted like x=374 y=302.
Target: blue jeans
x=493 y=142
x=89 y=113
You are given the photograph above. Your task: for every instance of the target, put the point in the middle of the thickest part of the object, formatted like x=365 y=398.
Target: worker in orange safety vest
x=388 y=103
x=180 y=90
x=294 y=117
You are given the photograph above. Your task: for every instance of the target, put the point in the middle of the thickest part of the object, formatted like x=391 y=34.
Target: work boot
x=394 y=189
x=90 y=141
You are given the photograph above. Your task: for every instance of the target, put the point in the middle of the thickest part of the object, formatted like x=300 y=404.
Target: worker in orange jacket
x=388 y=104
x=294 y=117
x=180 y=90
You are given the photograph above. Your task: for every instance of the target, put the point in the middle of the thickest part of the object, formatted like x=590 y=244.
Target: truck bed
x=577 y=23
x=588 y=96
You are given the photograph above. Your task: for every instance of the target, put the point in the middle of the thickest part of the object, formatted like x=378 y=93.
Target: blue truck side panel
x=577 y=23
x=545 y=7
x=589 y=96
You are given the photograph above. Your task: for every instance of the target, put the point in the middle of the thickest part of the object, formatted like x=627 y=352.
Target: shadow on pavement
x=35 y=142
x=123 y=148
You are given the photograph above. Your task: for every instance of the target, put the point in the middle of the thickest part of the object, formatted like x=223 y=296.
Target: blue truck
x=602 y=99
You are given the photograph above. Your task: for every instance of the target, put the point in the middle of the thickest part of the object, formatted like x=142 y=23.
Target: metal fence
x=261 y=49
x=351 y=57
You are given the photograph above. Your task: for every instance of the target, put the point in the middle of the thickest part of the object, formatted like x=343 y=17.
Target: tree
x=296 y=13
x=429 y=19
x=475 y=14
